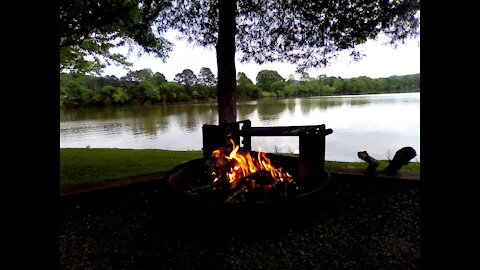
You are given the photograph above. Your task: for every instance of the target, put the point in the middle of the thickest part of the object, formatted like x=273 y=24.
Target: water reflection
x=246 y=110
x=320 y=103
x=375 y=123
x=359 y=102
x=291 y=105
x=270 y=111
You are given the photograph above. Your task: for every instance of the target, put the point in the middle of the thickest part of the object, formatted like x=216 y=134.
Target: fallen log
x=402 y=157
x=372 y=163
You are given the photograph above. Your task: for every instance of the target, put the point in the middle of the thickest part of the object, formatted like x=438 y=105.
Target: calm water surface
x=379 y=124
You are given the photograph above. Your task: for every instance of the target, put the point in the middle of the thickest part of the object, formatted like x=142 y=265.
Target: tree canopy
x=90 y=28
x=303 y=32
x=266 y=78
x=207 y=77
x=186 y=77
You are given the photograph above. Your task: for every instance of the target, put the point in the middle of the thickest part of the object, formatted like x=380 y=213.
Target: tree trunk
x=227 y=83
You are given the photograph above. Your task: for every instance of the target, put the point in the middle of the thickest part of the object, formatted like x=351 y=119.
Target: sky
x=381 y=61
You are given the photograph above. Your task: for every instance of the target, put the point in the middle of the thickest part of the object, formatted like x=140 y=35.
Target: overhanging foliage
x=304 y=32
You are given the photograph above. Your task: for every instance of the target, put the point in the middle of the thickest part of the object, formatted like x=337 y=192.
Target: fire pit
x=231 y=178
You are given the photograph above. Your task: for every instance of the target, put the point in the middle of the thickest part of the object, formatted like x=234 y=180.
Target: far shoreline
x=214 y=101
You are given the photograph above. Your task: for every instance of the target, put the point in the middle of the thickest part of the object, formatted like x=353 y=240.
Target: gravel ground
x=369 y=224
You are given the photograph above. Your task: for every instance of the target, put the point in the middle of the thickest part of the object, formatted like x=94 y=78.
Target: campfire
x=238 y=175
x=230 y=173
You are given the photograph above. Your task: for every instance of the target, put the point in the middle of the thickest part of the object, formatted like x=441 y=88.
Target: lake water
x=379 y=124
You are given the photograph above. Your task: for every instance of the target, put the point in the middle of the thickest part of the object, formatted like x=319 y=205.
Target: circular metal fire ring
x=181 y=178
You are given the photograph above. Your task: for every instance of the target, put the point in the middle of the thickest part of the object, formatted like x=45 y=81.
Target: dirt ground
x=365 y=224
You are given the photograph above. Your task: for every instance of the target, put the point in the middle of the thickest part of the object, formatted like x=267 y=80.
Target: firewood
x=274 y=186
x=239 y=191
x=402 y=157
x=252 y=185
x=201 y=188
x=372 y=163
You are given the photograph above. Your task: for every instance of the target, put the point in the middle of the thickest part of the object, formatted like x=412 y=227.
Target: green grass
x=80 y=165
x=411 y=167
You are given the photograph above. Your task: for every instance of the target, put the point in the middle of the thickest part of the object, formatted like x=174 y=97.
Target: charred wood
x=237 y=193
x=203 y=188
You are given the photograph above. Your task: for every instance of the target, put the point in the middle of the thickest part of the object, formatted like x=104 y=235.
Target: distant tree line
x=146 y=87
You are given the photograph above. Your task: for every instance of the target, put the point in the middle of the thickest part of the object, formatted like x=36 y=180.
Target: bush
x=120 y=96
x=76 y=95
x=268 y=94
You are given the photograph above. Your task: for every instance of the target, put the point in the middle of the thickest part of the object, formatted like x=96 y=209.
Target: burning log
x=260 y=179
x=234 y=174
x=272 y=183
x=402 y=157
x=258 y=186
x=372 y=163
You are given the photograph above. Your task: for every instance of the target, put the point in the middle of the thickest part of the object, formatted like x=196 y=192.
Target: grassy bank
x=80 y=165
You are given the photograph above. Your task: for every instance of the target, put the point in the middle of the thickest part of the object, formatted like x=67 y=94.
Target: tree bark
x=227 y=83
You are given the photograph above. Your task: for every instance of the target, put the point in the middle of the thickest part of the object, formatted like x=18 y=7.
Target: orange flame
x=242 y=165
